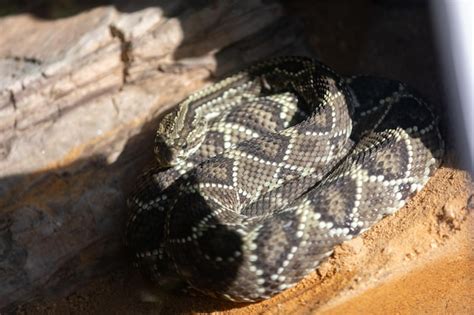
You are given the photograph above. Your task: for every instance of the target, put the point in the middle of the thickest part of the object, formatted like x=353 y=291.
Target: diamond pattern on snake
x=259 y=176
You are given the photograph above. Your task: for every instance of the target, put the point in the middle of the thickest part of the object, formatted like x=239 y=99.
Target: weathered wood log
x=79 y=99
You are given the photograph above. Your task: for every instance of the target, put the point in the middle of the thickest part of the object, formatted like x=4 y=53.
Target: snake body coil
x=260 y=175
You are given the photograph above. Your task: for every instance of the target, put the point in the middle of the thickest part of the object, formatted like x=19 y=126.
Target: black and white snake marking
x=262 y=174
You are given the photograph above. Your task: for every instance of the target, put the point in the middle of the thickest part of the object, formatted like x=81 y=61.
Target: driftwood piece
x=79 y=99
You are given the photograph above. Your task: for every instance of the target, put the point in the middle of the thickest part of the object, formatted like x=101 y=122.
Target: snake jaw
x=177 y=139
x=166 y=155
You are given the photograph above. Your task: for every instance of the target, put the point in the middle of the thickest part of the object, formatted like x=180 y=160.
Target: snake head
x=179 y=135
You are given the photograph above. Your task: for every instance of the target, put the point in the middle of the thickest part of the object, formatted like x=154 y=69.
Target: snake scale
x=262 y=174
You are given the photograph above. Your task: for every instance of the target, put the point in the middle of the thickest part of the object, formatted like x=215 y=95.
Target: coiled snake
x=260 y=175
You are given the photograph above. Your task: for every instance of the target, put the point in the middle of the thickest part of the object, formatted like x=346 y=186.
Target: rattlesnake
x=260 y=175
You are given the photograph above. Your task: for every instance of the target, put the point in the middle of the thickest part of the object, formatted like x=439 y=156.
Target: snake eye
x=181 y=144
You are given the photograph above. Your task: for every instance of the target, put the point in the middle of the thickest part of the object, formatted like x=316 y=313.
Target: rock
x=79 y=101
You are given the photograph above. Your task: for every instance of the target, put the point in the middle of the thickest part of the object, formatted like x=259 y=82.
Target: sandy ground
x=419 y=260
